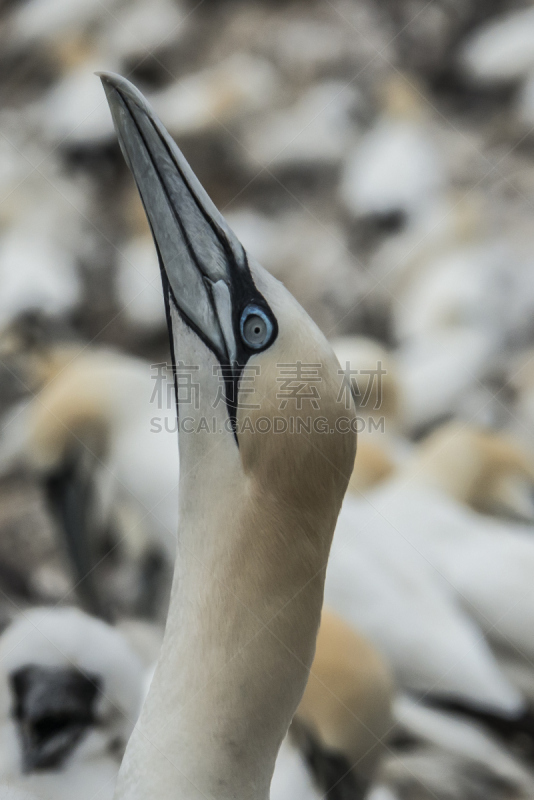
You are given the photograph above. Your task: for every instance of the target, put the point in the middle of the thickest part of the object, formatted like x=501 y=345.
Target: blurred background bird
x=378 y=159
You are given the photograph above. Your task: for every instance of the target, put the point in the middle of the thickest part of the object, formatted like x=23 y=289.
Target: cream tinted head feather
x=258 y=506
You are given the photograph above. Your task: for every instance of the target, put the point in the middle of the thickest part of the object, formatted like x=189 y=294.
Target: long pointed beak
x=204 y=265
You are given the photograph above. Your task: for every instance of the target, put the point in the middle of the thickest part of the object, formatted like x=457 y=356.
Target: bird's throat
x=239 y=641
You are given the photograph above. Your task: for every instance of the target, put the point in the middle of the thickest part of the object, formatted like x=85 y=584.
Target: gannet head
x=267 y=447
x=262 y=374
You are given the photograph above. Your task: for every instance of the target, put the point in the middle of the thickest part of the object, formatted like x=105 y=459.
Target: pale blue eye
x=256 y=327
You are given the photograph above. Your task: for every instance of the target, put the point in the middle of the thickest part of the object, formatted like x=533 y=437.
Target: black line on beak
x=205 y=271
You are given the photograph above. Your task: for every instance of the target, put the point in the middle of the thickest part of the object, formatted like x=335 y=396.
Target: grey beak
x=54 y=707
x=205 y=271
x=201 y=258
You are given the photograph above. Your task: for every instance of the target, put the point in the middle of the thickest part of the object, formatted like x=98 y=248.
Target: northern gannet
x=41 y=225
x=257 y=511
x=90 y=429
x=394 y=172
x=428 y=579
x=453 y=320
x=487 y=562
x=70 y=693
x=338 y=734
x=347 y=703
x=379 y=581
x=489 y=471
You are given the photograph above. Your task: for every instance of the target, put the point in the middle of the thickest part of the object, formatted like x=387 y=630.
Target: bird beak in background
x=54 y=709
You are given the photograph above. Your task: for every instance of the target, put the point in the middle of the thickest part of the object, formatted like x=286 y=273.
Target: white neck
x=240 y=636
x=233 y=665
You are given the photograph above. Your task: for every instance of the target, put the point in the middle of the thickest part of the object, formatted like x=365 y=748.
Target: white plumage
x=133 y=403
x=440 y=371
x=316 y=130
x=49 y=20
x=44 y=219
x=292 y=779
x=34 y=274
x=461 y=739
x=487 y=563
x=139 y=283
x=73 y=111
x=380 y=581
x=394 y=168
x=216 y=96
x=502 y=49
x=59 y=641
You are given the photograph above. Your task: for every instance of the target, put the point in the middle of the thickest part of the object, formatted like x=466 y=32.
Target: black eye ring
x=256 y=327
